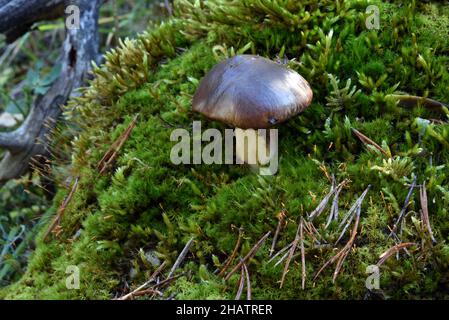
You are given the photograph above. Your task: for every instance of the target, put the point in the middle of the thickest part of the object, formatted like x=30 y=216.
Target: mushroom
x=251 y=92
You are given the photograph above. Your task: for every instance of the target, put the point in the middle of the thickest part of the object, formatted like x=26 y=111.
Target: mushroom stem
x=257 y=148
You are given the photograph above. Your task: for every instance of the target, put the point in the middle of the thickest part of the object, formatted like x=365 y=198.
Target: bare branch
x=79 y=49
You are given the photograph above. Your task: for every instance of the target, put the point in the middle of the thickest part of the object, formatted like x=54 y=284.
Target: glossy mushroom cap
x=249 y=91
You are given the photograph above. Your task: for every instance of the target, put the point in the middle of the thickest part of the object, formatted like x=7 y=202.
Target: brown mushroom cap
x=248 y=91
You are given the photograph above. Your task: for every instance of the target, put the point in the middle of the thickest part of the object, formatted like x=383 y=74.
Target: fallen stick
x=250 y=254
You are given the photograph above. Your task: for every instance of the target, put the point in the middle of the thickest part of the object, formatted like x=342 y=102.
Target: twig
x=250 y=254
x=143 y=286
x=425 y=211
x=290 y=255
x=112 y=152
x=356 y=204
x=404 y=208
x=248 y=282
x=322 y=205
x=281 y=217
x=387 y=254
x=168 y=280
x=283 y=257
x=234 y=253
x=61 y=209
x=368 y=141
x=181 y=257
x=241 y=284
x=168 y=7
x=280 y=251
x=303 y=258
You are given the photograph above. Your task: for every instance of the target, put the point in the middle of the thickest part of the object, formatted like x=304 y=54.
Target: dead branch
x=18 y=16
x=79 y=49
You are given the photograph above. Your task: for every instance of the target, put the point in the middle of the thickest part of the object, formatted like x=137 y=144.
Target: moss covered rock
x=120 y=224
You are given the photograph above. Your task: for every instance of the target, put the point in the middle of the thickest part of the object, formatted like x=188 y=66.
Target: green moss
x=146 y=202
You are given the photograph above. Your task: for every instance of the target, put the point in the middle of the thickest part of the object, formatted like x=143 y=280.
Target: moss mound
x=118 y=225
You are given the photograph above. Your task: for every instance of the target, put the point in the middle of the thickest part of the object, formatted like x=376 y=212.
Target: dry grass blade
x=181 y=257
x=250 y=254
x=303 y=257
x=368 y=141
x=143 y=286
x=112 y=153
x=387 y=254
x=233 y=255
x=61 y=210
x=248 y=282
x=281 y=217
x=290 y=255
x=404 y=208
x=241 y=284
x=425 y=211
